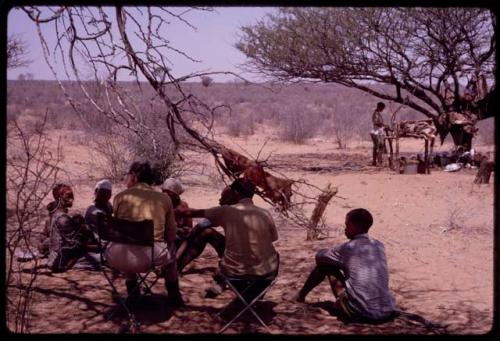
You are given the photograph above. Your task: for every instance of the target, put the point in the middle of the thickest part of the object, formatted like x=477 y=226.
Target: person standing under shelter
x=357 y=271
x=249 y=235
x=140 y=201
x=377 y=134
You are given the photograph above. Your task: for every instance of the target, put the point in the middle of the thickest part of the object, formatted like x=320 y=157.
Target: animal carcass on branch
x=276 y=189
x=234 y=161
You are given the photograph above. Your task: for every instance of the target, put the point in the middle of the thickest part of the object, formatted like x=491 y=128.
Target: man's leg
x=171 y=277
x=217 y=287
x=218 y=242
x=66 y=259
x=374 y=149
x=317 y=276
x=196 y=244
x=380 y=149
x=181 y=248
x=337 y=282
x=133 y=290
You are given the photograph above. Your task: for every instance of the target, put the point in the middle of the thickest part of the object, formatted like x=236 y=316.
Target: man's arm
x=331 y=257
x=189 y=213
x=186 y=222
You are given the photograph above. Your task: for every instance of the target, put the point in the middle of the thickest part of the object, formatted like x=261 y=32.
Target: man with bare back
x=377 y=134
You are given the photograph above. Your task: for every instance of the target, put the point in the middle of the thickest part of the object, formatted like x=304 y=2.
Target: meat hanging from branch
x=276 y=189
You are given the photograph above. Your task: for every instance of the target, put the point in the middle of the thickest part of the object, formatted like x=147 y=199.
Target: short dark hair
x=244 y=187
x=380 y=105
x=58 y=190
x=143 y=172
x=360 y=217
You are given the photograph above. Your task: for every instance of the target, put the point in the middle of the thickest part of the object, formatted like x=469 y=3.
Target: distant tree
x=421 y=53
x=17 y=49
x=206 y=81
x=21 y=77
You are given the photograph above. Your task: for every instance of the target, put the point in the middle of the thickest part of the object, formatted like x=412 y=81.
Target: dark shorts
x=346 y=312
x=378 y=140
x=343 y=306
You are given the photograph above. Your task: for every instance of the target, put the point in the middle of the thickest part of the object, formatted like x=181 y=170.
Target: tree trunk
x=323 y=199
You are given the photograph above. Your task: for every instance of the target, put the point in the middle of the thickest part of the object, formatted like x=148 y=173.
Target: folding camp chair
x=141 y=233
x=255 y=287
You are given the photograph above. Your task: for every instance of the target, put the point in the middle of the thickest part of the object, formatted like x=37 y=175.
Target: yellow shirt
x=141 y=202
x=250 y=232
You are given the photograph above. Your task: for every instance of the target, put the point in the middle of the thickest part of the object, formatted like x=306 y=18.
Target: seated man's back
x=250 y=233
x=364 y=263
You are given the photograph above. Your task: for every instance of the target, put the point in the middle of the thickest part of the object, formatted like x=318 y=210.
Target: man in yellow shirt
x=249 y=233
x=140 y=202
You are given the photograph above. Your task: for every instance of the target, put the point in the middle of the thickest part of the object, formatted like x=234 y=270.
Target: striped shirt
x=364 y=264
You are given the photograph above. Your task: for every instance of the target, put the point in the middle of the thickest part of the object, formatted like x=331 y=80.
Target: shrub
x=111 y=156
x=240 y=124
x=158 y=148
x=206 y=81
x=297 y=125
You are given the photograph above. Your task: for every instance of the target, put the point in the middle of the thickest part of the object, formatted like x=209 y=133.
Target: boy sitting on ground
x=357 y=271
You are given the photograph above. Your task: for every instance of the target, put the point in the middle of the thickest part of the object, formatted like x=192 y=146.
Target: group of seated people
x=357 y=269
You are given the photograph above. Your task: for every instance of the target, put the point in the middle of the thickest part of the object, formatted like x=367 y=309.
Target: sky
x=212 y=43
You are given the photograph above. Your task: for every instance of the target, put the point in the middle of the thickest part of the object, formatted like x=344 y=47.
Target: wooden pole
x=323 y=199
x=391 y=153
x=397 y=147
x=426 y=156
x=430 y=154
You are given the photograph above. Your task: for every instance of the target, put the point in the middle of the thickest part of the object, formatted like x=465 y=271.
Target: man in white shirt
x=357 y=271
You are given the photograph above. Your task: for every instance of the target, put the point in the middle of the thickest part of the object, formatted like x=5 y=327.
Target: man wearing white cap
x=173 y=188
x=190 y=242
x=102 y=194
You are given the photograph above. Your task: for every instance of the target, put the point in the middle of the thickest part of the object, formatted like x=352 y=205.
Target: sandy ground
x=437 y=230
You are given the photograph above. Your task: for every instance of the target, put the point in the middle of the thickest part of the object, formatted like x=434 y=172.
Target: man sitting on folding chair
x=137 y=203
x=250 y=261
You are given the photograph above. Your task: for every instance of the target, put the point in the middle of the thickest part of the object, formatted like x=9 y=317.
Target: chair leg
x=131 y=317
x=147 y=287
x=248 y=306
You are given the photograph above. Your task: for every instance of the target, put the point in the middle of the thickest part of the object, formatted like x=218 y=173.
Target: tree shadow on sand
x=264 y=309
x=150 y=310
x=199 y=271
x=400 y=321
